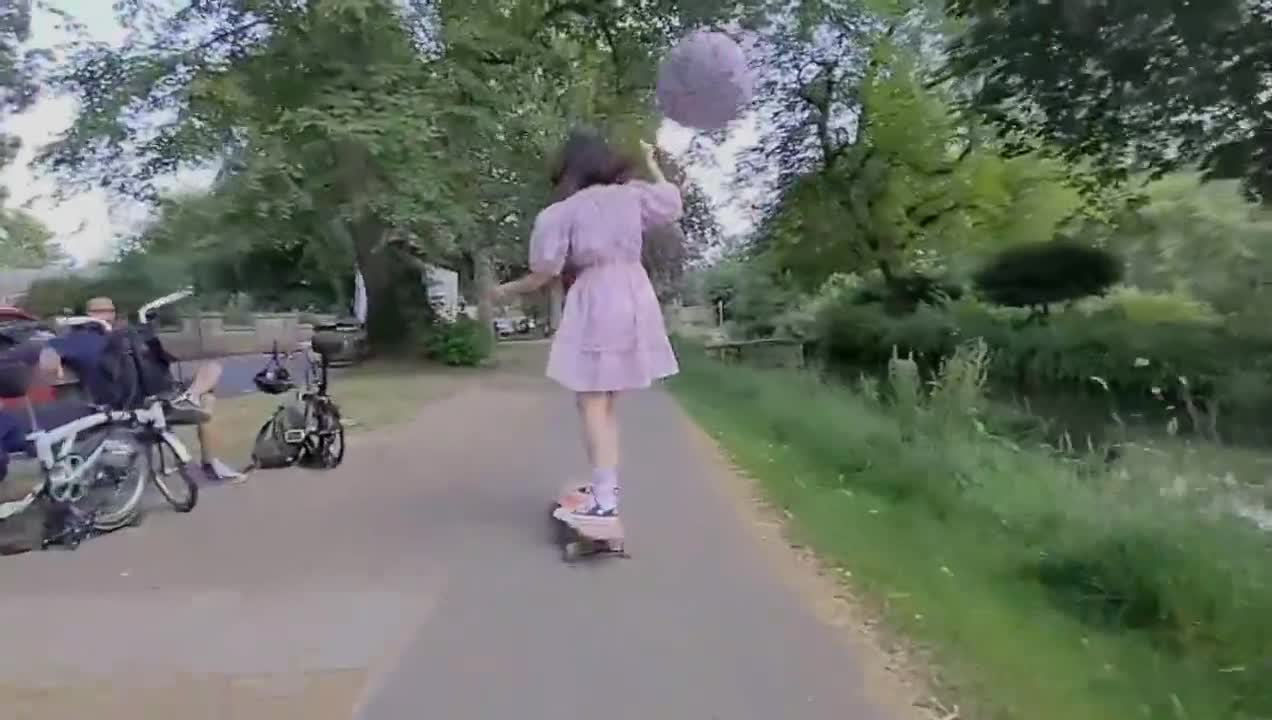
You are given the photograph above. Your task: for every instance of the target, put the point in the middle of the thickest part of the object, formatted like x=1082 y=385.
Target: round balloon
x=704 y=82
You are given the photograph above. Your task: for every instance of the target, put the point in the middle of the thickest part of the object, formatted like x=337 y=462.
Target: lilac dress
x=612 y=335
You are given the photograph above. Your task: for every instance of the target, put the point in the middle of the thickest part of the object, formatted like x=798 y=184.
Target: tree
x=206 y=239
x=670 y=250
x=18 y=70
x=809 y=72
x=1203 y=240
x=25 y=242
x=389 y=129
x=1038 y=275
x=919 y=182
x=1153 y=85
x=325 y=113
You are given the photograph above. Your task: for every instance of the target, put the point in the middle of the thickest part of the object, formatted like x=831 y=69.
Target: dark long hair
x=587 y=159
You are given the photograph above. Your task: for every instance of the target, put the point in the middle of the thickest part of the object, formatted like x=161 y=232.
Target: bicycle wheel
x=113 y=500
x=327 y=445
x=163 y=462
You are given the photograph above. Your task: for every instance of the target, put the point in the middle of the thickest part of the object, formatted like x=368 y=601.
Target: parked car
x=504 y=327
x=16 y=327
x=355 y=345
x=10 y=314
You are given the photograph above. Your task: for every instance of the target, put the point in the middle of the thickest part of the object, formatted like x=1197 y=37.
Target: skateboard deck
x=581 y=538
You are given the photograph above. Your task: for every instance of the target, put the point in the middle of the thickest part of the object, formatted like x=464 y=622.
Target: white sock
x=605 y=488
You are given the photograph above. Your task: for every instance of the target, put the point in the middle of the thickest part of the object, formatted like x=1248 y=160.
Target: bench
x=766 y=352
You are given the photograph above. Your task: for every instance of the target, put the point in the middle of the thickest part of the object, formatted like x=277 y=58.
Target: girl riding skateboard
x=612 y=337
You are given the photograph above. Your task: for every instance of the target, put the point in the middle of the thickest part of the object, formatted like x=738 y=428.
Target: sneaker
x=589 y=513
x=187 y=408
x=218 y=472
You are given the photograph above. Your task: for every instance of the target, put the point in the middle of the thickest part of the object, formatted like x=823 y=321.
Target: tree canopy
x=1153 y=85
x=25 y=242
x=358 y=131
x=891 y=175
x=18 y=70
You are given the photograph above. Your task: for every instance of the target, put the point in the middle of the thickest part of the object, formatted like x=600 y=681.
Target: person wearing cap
x=195 y=404
x=101 y=309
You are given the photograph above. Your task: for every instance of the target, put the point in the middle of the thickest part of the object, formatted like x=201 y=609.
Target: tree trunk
x=484 y=275
x=386 y=324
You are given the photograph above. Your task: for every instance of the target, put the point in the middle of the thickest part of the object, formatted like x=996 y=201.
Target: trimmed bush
x=462 y=343
x=1149 y=364
x=1041 y=274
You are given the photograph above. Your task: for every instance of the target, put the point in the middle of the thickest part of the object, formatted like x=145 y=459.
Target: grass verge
x=1042 y=588
x=373 y=395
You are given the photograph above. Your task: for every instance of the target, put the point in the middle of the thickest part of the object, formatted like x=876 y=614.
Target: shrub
x=1147 y=307
x=1133 y=359
x=52 y=296
x=906 y=293
x=1038 y=275
x=464 y=342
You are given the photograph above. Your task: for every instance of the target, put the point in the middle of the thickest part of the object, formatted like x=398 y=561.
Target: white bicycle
x=95 y=468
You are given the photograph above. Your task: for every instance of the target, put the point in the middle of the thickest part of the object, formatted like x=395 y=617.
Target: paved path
x=421 y=581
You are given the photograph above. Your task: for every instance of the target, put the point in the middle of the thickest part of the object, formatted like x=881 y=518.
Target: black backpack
x=136 y=367
x=153 y=364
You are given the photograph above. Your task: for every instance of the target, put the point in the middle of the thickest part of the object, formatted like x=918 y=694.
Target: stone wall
x=213 y=335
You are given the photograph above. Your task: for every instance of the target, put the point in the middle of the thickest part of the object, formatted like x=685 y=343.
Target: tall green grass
x=1046 y=588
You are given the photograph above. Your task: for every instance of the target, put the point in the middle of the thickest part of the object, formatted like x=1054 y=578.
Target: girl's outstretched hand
x=651 y=153
x=496 y=295
x=651 y=161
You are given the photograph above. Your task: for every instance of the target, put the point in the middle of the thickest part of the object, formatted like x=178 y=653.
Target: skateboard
x=581 y=540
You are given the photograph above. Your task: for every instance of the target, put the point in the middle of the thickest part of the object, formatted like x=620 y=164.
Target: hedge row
x=1138 y=362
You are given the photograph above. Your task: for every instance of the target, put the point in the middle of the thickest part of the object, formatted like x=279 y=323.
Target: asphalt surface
x=237 y=372
x=422 y=580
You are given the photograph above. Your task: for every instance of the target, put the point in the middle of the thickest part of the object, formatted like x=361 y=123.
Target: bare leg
x=594 y=411
x=207 y=437
x=601 y=441
x=205 y=379
x=611 y=424
x=584 y=401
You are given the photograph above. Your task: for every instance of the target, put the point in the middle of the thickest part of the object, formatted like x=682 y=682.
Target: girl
x=612 y=336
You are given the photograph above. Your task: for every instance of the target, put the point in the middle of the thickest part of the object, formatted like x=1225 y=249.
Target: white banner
x=359 y=296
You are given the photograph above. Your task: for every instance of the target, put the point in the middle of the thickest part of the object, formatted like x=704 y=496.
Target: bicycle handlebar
x=144 y=313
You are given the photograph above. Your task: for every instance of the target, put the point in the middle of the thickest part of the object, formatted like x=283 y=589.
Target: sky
x=89 y=225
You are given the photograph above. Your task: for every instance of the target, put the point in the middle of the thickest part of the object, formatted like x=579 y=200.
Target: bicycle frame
x=315 y=386
x=46 y=442
x=48 y=453
x=315 y=370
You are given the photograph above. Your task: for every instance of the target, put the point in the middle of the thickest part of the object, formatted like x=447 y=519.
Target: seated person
x=115 y=374
x=194 y=405
x=16 y=424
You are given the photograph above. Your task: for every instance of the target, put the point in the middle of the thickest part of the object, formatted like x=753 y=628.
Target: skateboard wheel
x=572 y=551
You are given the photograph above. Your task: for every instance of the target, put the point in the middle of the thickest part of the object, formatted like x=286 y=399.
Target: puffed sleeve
x=549 y=241
x=660 y=203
